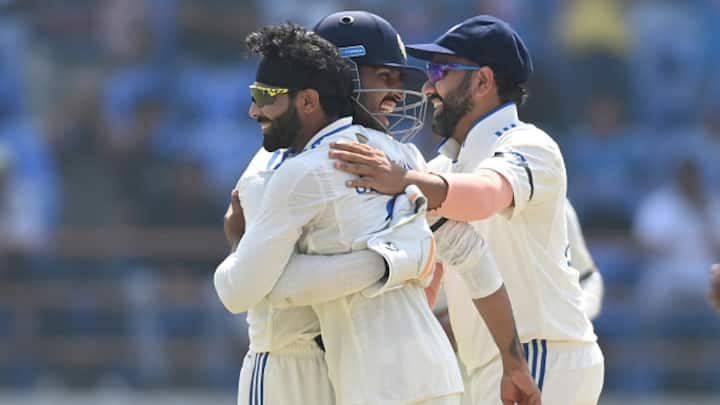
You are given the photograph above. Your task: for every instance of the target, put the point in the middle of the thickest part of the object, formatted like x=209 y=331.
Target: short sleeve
x=533 y=167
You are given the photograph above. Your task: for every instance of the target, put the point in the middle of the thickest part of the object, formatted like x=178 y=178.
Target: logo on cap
x=352 y=51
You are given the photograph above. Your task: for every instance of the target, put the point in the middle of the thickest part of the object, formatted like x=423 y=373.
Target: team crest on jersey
x=361 y=138
x=402 y=46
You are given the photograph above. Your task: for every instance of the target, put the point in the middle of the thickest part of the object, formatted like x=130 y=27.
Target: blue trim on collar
x=487 y=114
x=272 y=159
x=290 y=152
x=440 y=145
x=334 y=131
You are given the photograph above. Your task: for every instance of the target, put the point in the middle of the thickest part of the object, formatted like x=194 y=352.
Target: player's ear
x=483 y=81
x=308 y=100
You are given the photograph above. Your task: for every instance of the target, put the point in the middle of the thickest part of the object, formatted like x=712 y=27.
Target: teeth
x=387 y=106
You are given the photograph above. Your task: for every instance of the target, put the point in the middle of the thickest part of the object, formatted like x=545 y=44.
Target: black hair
x=316 y=62
x=509 y=91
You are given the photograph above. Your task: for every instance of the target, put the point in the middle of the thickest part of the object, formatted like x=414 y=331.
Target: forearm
x=475 y=196
x=247 y=275
x=314 y=279
x=497 y=313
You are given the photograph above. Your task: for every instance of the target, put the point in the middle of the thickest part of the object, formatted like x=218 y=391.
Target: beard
x=283 y=130
x=455 y=105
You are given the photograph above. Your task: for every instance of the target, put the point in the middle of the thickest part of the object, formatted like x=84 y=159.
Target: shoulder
x=261 y=161
x=528 y=133
x=530 y=139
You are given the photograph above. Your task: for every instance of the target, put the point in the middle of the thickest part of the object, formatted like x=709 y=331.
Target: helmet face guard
x=407 y=118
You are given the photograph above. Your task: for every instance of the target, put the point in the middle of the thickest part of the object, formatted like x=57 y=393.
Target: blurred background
x=124 y=126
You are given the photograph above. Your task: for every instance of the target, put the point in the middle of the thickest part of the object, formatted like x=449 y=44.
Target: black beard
x=455 y=106
x=283 y=131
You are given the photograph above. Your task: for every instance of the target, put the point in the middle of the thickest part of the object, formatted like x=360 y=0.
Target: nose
x=254 y=111
x=428 y=89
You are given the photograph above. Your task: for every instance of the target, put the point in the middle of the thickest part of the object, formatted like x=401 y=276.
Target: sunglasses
x=263 y=96
x=437 y=71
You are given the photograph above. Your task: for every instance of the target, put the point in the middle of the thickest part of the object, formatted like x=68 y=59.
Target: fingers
x=361 y=182
x=528 y=388
x=352 y=157
x=353 y=168
x=354 y=147
x=235 y=198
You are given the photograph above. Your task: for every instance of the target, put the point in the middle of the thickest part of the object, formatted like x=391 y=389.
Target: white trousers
x=296 y=374
x=566 y=373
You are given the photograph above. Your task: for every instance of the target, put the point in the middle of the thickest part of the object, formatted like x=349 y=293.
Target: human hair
x=509 y=91
x=310 y=62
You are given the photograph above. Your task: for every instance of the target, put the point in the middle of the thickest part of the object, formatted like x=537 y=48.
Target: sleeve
x=591 y=280
x=580 y=258
x=533 y=168
x=403 y=252
x=463 y=251
x=314 y=279
x=290 y=202
x=593 y=289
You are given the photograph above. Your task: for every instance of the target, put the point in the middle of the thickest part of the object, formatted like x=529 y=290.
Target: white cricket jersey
x=270 y=328
x=527 y=240
x=578 y=254
x=384 y=350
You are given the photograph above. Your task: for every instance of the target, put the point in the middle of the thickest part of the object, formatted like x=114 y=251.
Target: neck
x=463 y=127
x=308 y=131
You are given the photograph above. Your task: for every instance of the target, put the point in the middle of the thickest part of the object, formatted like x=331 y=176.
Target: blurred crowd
x=124 y=126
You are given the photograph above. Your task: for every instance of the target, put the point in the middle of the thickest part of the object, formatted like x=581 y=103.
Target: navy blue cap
x=369 y=40
x=485 y=40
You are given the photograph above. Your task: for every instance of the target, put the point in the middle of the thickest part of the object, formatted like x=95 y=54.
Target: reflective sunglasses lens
x=435 y=71
x=261 y=97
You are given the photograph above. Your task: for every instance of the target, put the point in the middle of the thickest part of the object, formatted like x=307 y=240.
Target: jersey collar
x=331 y=129
x=483 y=135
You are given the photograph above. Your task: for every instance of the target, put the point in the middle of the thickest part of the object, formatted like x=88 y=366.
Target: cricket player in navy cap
x=387 y=88
x=296 y=202
x=508 y=179
x=348 y=391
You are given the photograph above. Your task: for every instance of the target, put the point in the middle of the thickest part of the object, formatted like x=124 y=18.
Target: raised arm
x=460 y=196
x=513 y=177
